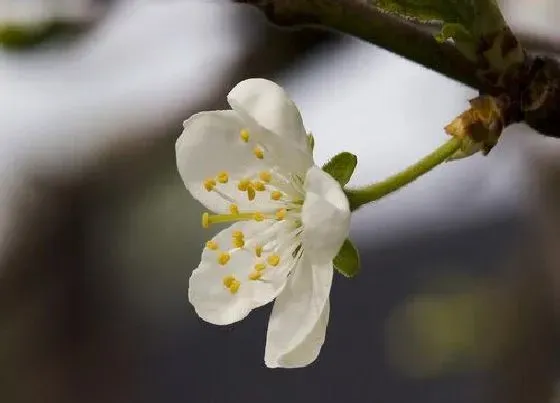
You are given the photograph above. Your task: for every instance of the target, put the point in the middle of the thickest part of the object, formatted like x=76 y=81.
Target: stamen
x=223 y=195
x=223 y=258
x=234 y=287
x=228 y=281
x=258 y=216
x=281 y=214
x=258 y=250
x=213 y=245
x=238 y=239
x=208 y=219
x=273 y=260
x=231 y=283
x=259 y=153
x=223 y=177
x=259 y=186
x=260 y=266
x=205 y=220
x=244 y=134
x=255 y=275
x=276 y=195
x=243 y=185
x=251 y=193
x=209 y=184
x=233 y=209
x=265 y=176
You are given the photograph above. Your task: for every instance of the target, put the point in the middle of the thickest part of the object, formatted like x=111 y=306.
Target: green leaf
x=477 y=28
x=341 y=167
x=475 y=18
x=347 y=262
x=464 y=41
x=449 y=11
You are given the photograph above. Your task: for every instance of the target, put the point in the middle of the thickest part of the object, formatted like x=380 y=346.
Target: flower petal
x=325 y=216
x=270 y=107
x=297 y=325
x=211 y=144
x=309 y=349
x=216 y=303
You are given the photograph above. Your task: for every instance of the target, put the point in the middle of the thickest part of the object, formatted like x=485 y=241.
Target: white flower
x=253 y=166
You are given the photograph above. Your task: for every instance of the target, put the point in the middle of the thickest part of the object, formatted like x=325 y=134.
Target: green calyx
x=341 y=167
x=347 y=261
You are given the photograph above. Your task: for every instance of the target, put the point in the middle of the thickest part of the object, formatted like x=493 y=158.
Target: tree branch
x=362 y=20
x=532 y=93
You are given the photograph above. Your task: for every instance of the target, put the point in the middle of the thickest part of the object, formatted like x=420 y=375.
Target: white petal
x=297 y=325
x=269 y=106
x=325 y=216
x=212 y=301
x=308 y=351
x=211 y=144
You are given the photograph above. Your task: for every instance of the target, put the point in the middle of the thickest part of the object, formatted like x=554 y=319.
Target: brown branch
x=362 y=20
x=532 y=89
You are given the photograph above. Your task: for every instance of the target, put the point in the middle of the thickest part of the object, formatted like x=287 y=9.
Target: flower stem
x=367 y=194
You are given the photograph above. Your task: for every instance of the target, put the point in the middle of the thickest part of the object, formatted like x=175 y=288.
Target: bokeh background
x=457 y=298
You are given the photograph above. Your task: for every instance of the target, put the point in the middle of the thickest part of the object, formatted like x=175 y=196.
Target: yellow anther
x=251 y=193
x=223 y=258
x=237 y=234
x=212 y=245
x=258 y=250
x=259 y=186
x=276 y=195
x=244 y=134
x=234 y=286
x=281 y=214
x=228 y=281
x=205 y=220
x=260 y=266
x=238 y=243
x=243 y=184
x=233 y=209
x=223 y=177
x=258 y=216
x=255 y=275
x=265 y=176
x=273 y=260
x=259 y=153
x=209 y=184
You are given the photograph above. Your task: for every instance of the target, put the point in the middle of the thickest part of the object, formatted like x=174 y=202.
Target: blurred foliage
x=462 y=329
x=20 y=37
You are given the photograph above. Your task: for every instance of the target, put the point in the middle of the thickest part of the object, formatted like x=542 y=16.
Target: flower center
x=270 y=196
x=275 y=195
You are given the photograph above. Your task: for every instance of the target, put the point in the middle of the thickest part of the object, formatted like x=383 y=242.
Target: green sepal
x=311 y=142
x=347 y=261
x=341 y=167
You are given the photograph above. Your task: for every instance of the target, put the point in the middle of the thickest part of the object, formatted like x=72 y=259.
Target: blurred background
x=457 y=298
